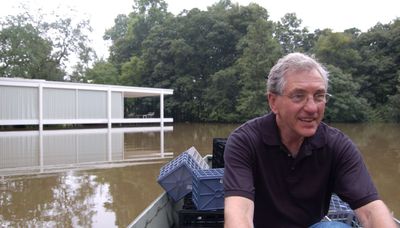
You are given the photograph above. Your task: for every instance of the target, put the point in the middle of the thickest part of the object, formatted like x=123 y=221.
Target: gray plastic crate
x=341 y=212
x=208 y=189
x=176 y=176
x=197 y=157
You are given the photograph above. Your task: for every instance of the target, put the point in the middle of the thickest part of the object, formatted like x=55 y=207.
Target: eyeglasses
x=302 y=98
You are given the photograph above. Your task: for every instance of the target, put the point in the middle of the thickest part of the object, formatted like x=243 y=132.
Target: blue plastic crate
x=341 y=212
x=208 y=189
x=176 y=176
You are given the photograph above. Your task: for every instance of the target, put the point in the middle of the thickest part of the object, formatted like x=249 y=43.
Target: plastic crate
x=218 y=152
x=176 y=176
x=197 y=158
x=208 y=189
x=341 y=212
x=196 y=218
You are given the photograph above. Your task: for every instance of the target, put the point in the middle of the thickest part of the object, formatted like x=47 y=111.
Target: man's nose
x=310 y=105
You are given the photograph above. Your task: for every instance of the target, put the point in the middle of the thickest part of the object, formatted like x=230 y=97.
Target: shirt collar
x=270 y=133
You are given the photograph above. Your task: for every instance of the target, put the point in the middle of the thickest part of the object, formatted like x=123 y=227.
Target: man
x=281 y=169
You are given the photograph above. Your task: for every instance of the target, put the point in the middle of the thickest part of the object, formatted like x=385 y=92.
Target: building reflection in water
x=33 y=152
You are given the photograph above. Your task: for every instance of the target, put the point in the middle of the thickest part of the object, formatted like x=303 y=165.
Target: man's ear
x=272 y=102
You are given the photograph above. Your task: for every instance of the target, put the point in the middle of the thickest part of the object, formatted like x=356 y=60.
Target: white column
x=41 y=126
x=40 y=107
x=109 y=140
x=76 y=104
x=162 y=124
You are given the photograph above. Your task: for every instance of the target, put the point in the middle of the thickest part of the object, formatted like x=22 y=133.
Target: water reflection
x=23 y=152
x=96 y=198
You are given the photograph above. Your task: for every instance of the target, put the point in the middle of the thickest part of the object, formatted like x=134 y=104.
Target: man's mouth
x=307 y=120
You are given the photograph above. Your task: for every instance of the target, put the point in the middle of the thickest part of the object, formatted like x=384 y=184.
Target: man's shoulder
x=257 y=130
x=259 y=122
x=335 y=141
x=330 y=132
x=328 y=136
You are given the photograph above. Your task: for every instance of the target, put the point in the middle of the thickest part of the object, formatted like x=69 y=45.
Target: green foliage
x=102 y=72
x=378 y=70
x=130 y=31
x=345 y=105
x=392 y=108
x=260 y=52
x=217 y=60
x=34 y=48
x=222 y=95
x=291 y=36
x=337 y=49
x=23 y=53
x=132 y=71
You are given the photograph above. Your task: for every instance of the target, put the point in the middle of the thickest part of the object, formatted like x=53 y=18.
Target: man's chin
x=308 y=132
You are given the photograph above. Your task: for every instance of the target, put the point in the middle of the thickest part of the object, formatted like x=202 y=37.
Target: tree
x=34 y=48
x=345 y=106
x=260 y=52
x=23 y=53
x=392 y=108
x=221 y=96
x=378 y=69
x=186 y=51
x=102 y=72
x=132 y=71
x=337 y=49
x=129 y=32
x=291 y=36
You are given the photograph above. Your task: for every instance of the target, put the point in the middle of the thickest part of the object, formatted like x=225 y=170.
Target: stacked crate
x=188 y=176
x=204 y=207
x=208 y=189
x=176 y=176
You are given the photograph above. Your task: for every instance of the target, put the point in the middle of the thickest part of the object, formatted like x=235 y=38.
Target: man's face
x=300 y=109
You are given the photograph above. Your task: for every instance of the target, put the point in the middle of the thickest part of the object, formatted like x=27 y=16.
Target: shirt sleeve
x=238 y=173
x=353 y=182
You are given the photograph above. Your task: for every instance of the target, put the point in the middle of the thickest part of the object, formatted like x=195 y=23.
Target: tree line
x=217 y=60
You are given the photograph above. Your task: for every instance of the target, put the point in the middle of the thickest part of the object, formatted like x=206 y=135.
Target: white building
x=40 y=102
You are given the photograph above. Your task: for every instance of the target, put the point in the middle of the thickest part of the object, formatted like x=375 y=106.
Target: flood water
x=76 y=180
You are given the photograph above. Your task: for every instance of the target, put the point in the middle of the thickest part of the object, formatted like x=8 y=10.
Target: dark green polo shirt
x=294 y=192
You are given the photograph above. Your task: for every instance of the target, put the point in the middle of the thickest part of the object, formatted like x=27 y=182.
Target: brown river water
x=75 y=180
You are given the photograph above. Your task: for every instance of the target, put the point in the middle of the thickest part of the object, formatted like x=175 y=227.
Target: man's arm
x=238 y=212
x=375 y=214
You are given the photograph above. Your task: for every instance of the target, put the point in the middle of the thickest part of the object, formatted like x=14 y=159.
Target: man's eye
x=319 y=97
x=298 y=97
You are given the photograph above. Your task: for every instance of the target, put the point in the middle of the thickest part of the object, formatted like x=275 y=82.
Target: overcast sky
x=335 y=14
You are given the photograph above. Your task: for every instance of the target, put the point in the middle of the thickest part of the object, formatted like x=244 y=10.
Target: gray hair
x=292 y=62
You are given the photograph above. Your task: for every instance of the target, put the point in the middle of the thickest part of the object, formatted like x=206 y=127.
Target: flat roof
x=128 y=91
